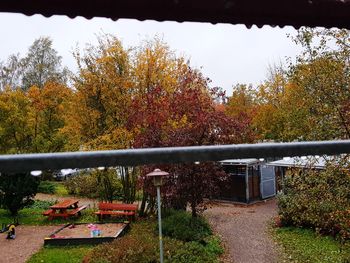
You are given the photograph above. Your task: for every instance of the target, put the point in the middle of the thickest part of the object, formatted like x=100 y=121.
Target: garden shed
x=248 y=180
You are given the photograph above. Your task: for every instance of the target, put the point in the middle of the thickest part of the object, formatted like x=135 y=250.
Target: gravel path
x=244 y=231
x=90 y=203
x=29 y=239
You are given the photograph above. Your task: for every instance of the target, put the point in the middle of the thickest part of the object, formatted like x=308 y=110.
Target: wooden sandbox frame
x=74 y=241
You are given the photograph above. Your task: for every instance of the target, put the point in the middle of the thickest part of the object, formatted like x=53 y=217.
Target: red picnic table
x=64 y=209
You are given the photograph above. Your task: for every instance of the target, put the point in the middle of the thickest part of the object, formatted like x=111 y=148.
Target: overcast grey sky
x=227 y=54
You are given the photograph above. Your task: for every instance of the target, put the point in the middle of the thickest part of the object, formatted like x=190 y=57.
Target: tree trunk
x=142 y=211
x=194 y=210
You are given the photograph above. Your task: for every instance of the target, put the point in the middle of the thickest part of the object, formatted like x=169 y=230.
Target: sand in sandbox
x=82 y=230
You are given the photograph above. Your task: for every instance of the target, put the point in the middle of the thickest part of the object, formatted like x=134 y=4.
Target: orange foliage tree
x=185 y=116
x=31 y=121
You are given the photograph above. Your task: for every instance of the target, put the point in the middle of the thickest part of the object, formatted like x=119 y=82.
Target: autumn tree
x=269 y=120
x=98 y=111
x=48 y=107
x=174 y=106
x=40 y=65
x=31 y=121
x=15 y=128
x=10 y=72
x=33 y=97
x=110 y=79
x=242 y=102
x=155 y=64
x=323 y=70
x=103 y=88
x=309 y=99
x=187 y=116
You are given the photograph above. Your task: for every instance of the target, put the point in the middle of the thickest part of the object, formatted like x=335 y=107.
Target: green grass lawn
x=60 y=254
x=33 y=216
x=27 y=216
x=303 y=245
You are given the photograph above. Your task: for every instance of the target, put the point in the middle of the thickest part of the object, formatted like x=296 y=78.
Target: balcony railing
x=134 y=157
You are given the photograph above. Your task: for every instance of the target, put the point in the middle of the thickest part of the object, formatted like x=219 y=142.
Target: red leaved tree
x=185 y=116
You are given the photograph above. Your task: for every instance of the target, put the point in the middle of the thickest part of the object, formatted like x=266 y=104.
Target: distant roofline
x=240 y=161
x=316 y=162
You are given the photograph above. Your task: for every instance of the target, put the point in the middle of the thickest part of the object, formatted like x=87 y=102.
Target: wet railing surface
x=134 y=157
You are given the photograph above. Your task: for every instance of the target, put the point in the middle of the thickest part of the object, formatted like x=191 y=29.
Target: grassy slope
x=60 y=254
x=303 y=245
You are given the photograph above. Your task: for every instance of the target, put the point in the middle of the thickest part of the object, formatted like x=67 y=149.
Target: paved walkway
x=28 y=241
x=244 y=231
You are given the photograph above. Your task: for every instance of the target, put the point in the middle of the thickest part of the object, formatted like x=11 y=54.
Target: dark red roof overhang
x=326 y=13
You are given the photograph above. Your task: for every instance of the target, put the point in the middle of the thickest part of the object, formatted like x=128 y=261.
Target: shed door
x=267 y=186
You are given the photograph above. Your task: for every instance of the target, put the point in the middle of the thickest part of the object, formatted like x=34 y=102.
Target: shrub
x=181 y=225
x=341 y=222
x=104 y=185
x=60 y=189
x=195 y=252
x=46 y=187
x=127 y=249
x=318 y=200
x=142 y=245
x=17 y=191
x=108 y=184
x=82 y=184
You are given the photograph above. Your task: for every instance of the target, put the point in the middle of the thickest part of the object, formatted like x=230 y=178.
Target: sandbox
x=80 y=234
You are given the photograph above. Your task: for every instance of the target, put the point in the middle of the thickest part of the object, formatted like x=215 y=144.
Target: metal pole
x=160 y=225
x=246 y=184
x=14 y=163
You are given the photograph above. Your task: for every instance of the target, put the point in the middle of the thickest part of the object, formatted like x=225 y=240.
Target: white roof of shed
x=240 y=161
x=318 y=162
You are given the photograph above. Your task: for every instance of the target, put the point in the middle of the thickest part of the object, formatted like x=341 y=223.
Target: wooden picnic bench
x=113 y=209
x=64 y=209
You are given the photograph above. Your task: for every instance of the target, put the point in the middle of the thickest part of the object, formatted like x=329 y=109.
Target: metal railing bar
x=134 y=157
